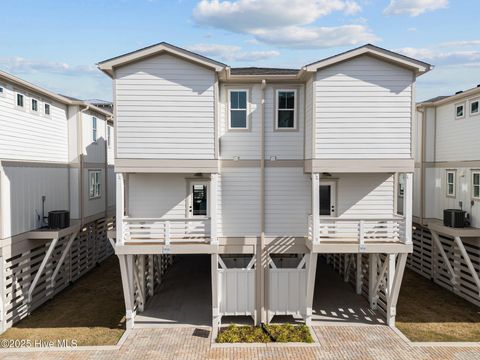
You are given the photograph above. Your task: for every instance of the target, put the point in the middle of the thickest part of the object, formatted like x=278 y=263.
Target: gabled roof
x=418 y=66
x=108 y=65
x=439 y=100
x=67 y=100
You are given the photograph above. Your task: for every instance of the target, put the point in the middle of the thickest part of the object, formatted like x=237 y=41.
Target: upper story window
x=451 y=182
x=476 y=184
x=20 y=100
x=459 y=111
x=94 y=129
x=34 y=105
x=474 y=110
x=109 y=135
x=46 y=109
x=2 y=90
x=94 y=184
x=286 y=110
x=238 y=109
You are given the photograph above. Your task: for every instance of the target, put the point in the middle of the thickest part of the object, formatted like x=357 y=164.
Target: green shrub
x=255 y=334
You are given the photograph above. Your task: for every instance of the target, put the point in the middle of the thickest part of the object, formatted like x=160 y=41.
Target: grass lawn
x=271 y=333
x=90 y=311
x=428 y=312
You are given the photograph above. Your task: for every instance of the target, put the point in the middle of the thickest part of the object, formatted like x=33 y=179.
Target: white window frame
x=294 y=128
x=475 y=172
x=229 y=111
x=22 y=107
x=32 y=99
x=45 y=104
x=477 y=100
x=456 y=107
x=94 y=184
x=94 y=129
x=454 y=172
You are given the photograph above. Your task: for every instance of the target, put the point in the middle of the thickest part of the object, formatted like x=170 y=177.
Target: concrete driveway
x=184 y=298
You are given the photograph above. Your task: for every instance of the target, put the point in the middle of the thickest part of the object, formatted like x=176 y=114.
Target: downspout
x=81 y=156
x=262 y=262
x=422 y=165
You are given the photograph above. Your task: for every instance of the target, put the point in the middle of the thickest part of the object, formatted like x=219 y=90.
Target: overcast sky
x=56 y=43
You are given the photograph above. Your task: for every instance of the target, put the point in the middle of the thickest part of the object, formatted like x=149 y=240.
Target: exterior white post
x=315 y=207
x=127 y=284
x=407 y=207
x=120 y=207
x=372 y=281
x=359 y=274
x=311 y=272
x=213 y=208
x=216 y=317
x=394 y=290
x=167 y=233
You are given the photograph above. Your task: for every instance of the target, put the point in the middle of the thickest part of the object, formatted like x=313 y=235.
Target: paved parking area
x=336 y=342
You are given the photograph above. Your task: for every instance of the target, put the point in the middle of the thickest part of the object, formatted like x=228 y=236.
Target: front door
x=328 y=197
x=197 y=201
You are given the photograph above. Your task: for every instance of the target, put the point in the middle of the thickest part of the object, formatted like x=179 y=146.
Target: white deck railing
x=389 y=229
x=166 y=231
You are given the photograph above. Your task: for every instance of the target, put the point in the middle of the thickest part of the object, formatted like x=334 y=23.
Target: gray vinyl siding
x=21 y=196
x=242 y=143
x=283 y=144
x=437 y=199
x=364 y=195
x=287 y=201
x=31 y=136
x=239 y=204
x=308 y=118
x=457 y=139
x=363 y=110
x=94 y=151
x=165 y=110
x=157 y=195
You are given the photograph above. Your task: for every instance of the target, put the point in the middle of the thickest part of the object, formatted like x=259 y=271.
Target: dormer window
x=286 y=110
x=238 y=109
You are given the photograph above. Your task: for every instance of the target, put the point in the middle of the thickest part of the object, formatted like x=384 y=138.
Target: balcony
x=358 y=234
x=161 y=231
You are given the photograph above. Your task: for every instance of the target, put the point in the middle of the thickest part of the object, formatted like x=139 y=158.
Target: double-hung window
x=34 y=105
x=238 y=109
x=474 y=108
x=94 y=129
x=94 y=184
x=451 y=183
x=476 y=184
x=20 y=100
x=2 y=90
x=286 y=110
x=46 y=109
x=459 y=111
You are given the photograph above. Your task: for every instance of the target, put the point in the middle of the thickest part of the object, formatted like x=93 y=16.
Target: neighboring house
x=270 y=167
x=447 y=176
x=55 y=154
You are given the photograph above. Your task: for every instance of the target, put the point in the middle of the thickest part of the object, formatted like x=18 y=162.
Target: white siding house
x=47 y=153
x=447 y=176
x=269 y=166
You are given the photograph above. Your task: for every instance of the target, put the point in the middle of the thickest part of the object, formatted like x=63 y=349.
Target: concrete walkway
x=377 y=342
x=185 y=297
x=335 y=301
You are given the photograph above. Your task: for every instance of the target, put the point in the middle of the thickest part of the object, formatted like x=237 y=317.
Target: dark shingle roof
x=262 y=71
x=436 y=98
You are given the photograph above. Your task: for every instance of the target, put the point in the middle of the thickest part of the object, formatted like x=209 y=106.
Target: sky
x=56 y=43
